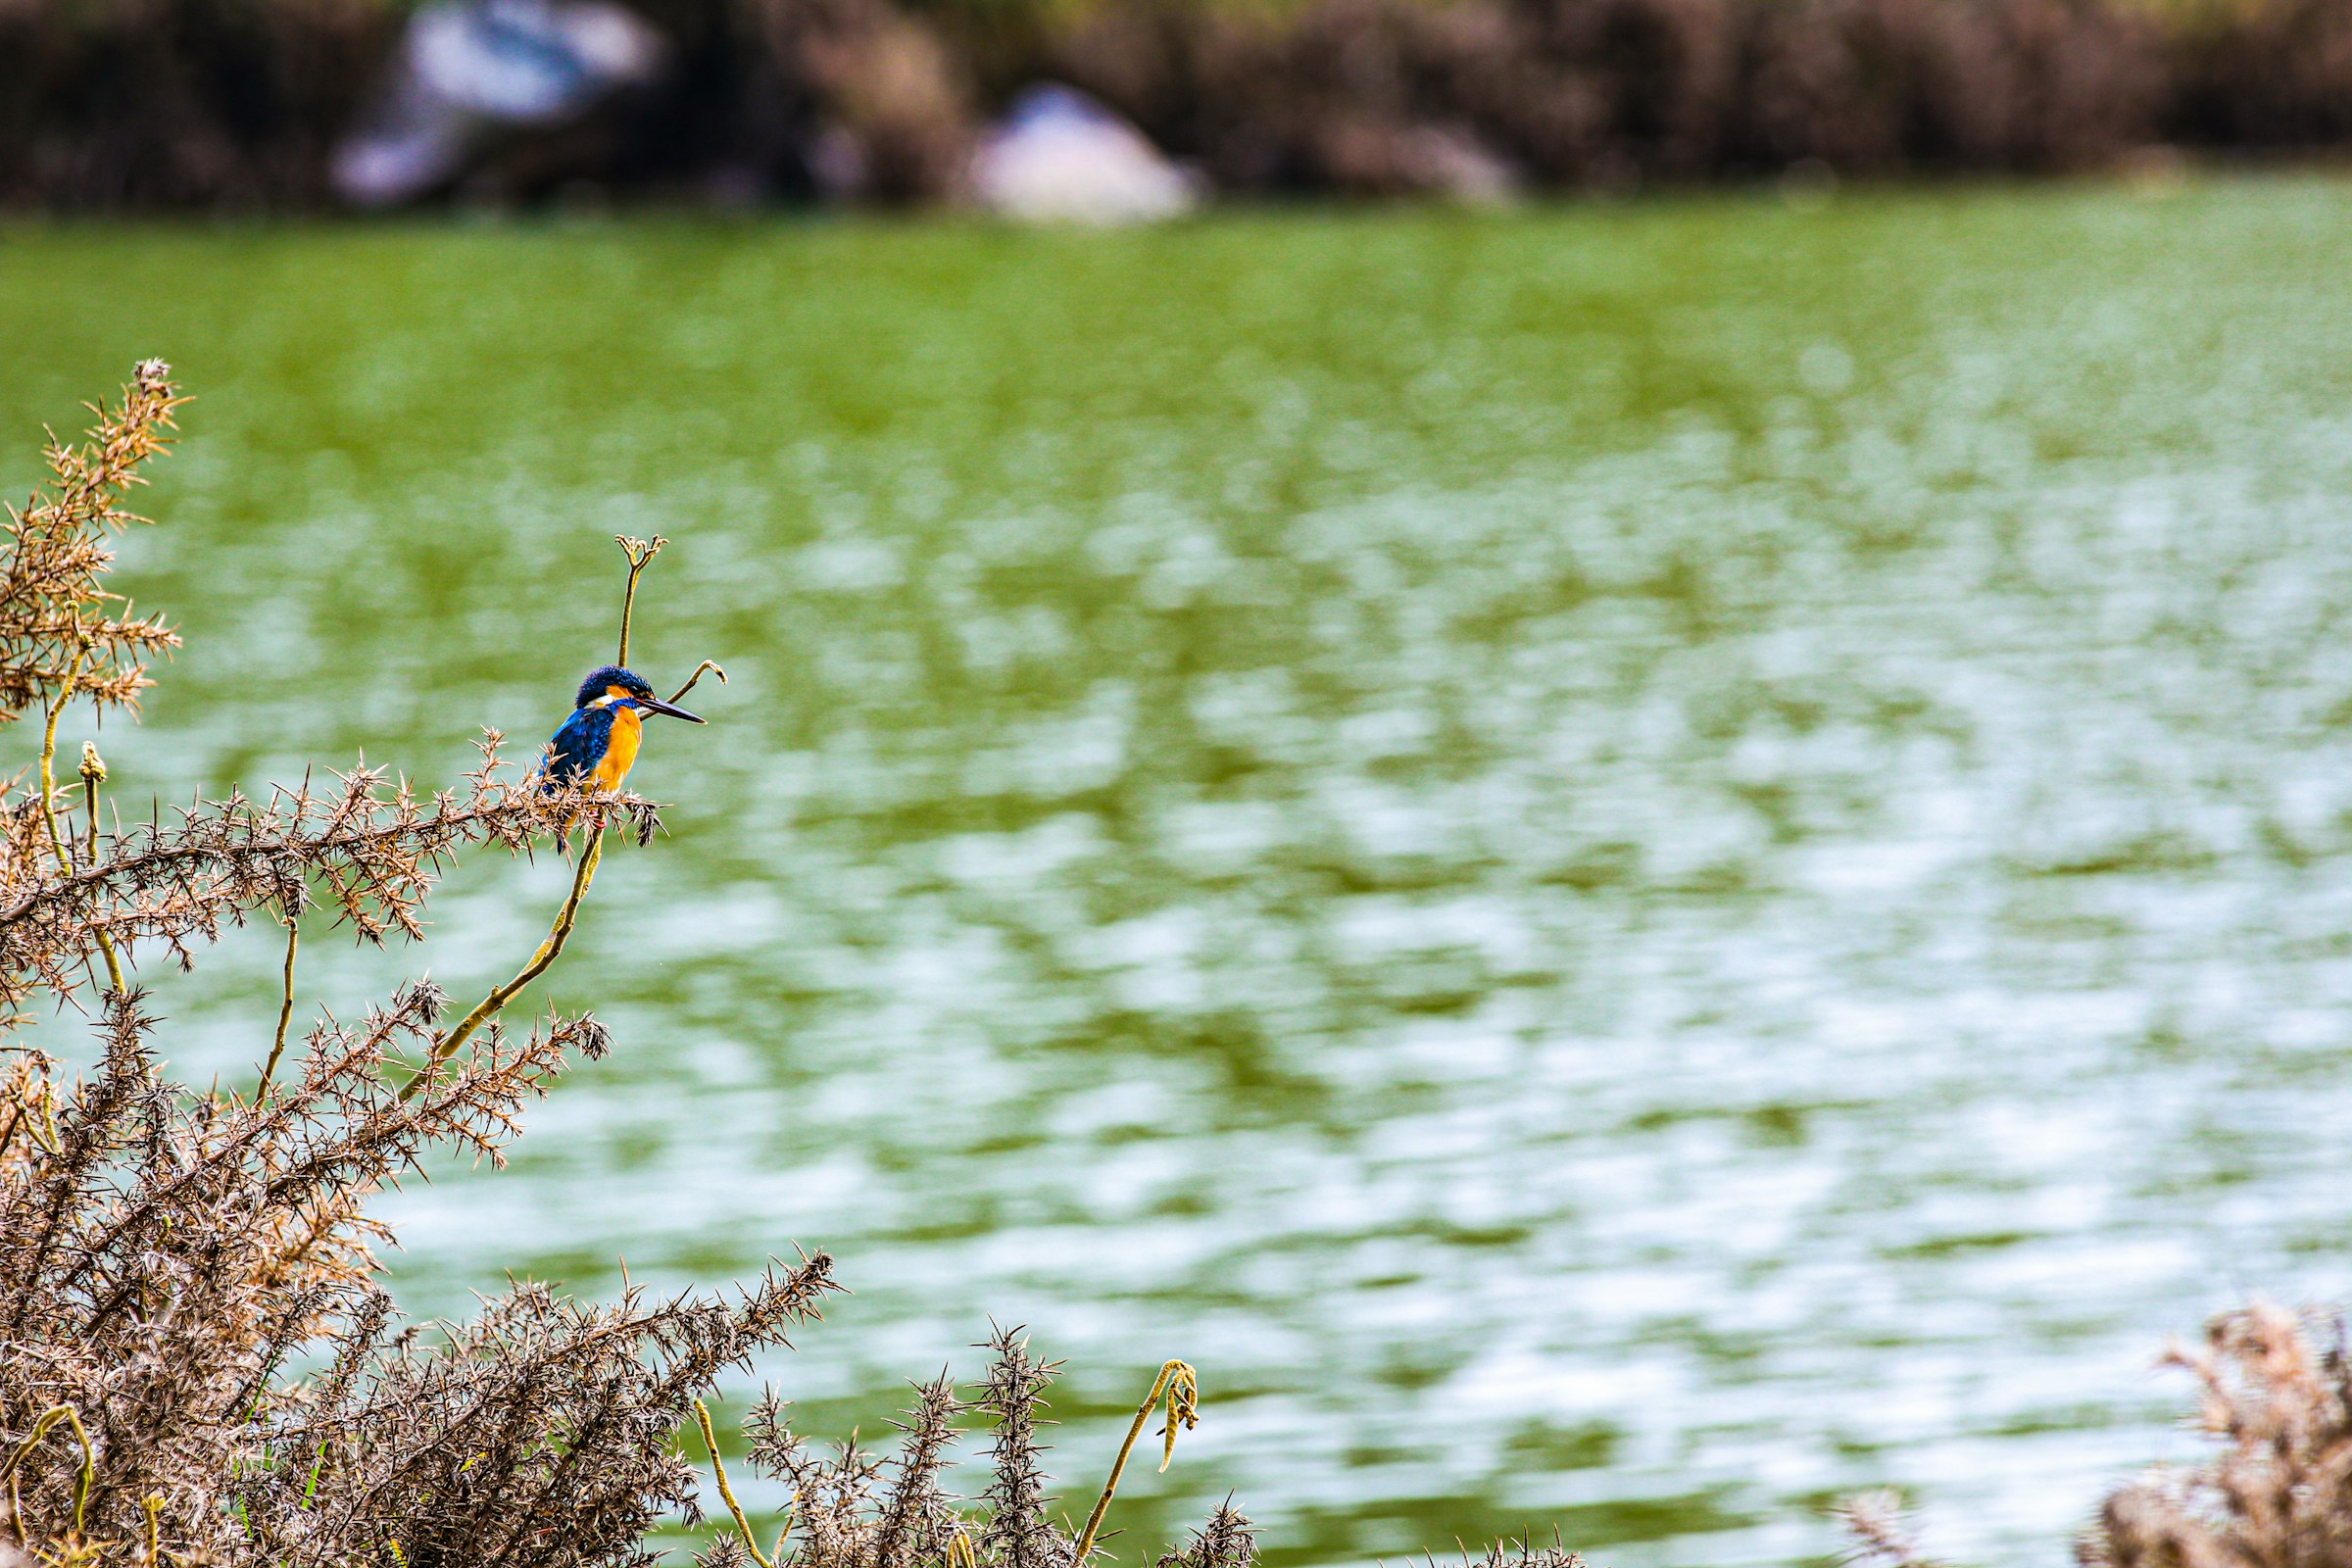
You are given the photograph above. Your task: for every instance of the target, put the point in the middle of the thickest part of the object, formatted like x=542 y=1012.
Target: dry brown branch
x=710 y=665
x=372 y=851
x=55 y=552
x=1879 y=1532
x=2278 y=1494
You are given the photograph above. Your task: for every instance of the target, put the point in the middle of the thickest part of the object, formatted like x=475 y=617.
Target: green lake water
x=1629 y=866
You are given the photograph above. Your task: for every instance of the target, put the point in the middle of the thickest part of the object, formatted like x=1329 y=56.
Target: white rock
x=1060 y=157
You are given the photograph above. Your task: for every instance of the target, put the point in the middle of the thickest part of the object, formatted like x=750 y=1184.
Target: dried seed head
x=1184 y=1405
x=724 y=1551
x=293 y=894
x=428 y=1000
x=585 y=1035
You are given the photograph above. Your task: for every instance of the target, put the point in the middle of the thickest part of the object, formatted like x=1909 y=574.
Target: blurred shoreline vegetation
x=236 y=105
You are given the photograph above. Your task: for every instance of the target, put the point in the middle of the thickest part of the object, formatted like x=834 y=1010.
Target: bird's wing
x=580 y=743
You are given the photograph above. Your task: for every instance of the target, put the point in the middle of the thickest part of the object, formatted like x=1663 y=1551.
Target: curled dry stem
x=710 y=665
x=702 y=1413
x=1182 y=1386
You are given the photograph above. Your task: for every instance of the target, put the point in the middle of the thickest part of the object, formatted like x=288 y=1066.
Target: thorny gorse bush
x=167 y=1258
x=197 y=1364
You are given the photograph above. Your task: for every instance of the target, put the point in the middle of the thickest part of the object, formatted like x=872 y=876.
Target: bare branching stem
x=1182 y=1384
x=641 y=552
x=702 y=1413
x=549 y=951
x=285 y=1005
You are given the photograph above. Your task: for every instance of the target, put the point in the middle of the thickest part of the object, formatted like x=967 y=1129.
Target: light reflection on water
x=1625 y=867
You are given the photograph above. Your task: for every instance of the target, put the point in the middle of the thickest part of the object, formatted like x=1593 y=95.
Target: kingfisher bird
x=598 y=743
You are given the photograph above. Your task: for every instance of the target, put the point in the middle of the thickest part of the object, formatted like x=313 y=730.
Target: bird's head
x=612 y=686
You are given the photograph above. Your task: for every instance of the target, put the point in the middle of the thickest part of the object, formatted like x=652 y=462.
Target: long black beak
x=656 y=704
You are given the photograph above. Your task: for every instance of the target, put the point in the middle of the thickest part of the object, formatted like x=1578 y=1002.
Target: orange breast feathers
x=621 y=750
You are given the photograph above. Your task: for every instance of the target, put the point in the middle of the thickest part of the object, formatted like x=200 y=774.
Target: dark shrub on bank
x=180 y=103
x=1879 y=86
x=237 y=103
x=2277 y=78
x=1388 y=96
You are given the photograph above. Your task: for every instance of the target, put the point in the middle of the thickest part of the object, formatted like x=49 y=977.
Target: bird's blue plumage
x=580 y=745
x=603 y=728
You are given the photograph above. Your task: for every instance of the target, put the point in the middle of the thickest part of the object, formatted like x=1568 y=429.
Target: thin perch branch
x=548 y=951
x=640 y=553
